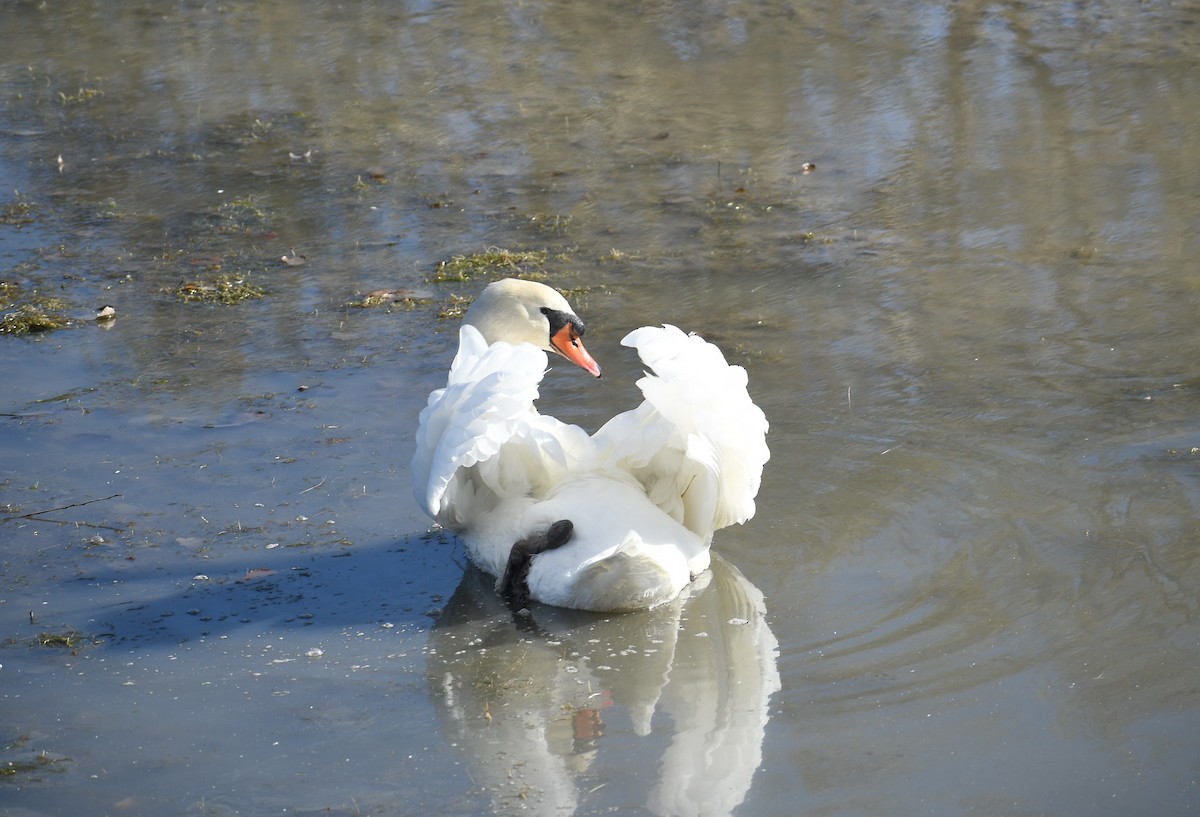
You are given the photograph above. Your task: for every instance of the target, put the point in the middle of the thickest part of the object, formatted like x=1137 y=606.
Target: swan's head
x=518 y=311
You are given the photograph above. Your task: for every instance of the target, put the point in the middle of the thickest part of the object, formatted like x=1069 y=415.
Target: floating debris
x=257 y=573
x=106 y=313
x=294 y=260
x=808 y=167
x=225 y=289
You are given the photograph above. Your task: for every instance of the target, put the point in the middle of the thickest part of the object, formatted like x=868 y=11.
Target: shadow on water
x=334 y=589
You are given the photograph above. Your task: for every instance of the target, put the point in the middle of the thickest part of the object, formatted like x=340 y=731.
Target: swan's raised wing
x=480 y=438
x=698 y=442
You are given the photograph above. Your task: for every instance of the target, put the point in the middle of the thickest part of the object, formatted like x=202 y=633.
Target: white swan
x=619 y=520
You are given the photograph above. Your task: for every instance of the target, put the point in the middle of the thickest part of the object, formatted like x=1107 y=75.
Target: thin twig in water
x=849 y=405
x=35 y=516
x=32 y=514
x=314 y=487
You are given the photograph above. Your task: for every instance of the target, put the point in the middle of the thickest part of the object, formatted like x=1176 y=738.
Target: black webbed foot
x=514 y=585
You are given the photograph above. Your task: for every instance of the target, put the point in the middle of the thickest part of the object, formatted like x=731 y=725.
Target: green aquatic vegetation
x=616 y=256
x=32 y=318
x=373 y=177
x=496 y=263
x=239 y=215
x=737 y=210
x=222 y=289
x=81 y=96
x=574 y=294
x=18 y=212
x=375 y=301
x=68 y=639
x=8 y=293
x=65 y=397
x=42 y=761
x=388 y=298
x=260 y=128
x=107 y=210
x=492 y=261
x=551 y=225
x=455 y=308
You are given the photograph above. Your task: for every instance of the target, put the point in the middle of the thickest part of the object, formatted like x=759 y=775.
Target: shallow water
x=971 y=586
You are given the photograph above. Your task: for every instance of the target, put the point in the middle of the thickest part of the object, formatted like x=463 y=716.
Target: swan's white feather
x=644 y=493
x=698 y=442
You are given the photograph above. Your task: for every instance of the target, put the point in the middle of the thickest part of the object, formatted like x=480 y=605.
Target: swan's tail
x=627 y=578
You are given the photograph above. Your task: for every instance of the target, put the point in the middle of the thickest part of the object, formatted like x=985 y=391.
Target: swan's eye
x=564 y=322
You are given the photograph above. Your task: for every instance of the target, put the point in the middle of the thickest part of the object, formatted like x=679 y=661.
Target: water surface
x=971 y=586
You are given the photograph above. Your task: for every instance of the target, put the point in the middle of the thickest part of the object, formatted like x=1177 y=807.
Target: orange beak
x=566 y=342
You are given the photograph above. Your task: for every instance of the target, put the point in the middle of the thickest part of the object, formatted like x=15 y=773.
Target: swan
x=618 y=520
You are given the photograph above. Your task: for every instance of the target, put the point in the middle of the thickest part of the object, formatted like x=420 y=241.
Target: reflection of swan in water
x=682 y=690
